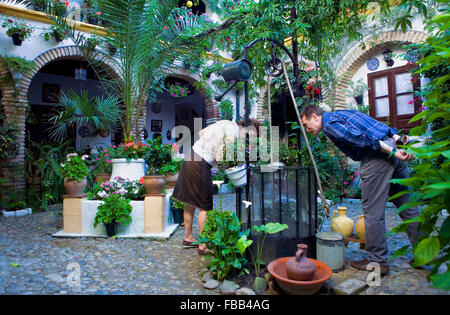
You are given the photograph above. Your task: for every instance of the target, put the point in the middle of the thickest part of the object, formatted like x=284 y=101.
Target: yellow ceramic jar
x=342 y=223
x=361 y=228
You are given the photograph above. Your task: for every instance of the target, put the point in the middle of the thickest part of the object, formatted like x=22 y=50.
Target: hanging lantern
x=189 y=4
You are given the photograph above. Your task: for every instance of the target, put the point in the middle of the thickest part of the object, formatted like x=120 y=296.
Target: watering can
x=239 y=70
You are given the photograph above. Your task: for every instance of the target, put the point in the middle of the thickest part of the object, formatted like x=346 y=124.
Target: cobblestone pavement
x=33 y=262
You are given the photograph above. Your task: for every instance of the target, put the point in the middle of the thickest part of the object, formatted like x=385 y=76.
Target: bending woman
x=194 y=186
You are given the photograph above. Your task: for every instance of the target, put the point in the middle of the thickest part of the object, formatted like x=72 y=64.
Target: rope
x=324 y=203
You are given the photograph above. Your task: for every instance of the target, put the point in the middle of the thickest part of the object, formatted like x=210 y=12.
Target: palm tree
x=148 y=35
x=79 y=109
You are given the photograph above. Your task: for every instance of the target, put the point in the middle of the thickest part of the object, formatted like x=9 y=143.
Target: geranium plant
x=22 y=30
x=56 y=31
x=103 y=160
x=174 y=165
x=115 y=208
x=177 y=90
x=131 y=151
x=158 y=155
x=74 y=168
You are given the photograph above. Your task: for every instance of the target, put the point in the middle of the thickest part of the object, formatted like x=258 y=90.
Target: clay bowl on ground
x=277 y=268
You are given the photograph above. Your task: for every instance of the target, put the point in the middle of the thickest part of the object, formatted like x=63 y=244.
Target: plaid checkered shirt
x=355 y=133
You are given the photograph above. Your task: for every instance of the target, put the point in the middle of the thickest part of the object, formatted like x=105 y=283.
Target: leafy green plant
x=8 y=140
x=74 y=168
x=19 y=64
x=177 y=204
x=263 y=231
x=114 y=208
x=79 y=109
x=356 y=88
x=430 y=181
x=158 y=155
x=178 y=90
x=226 y=109
x=43 y=173
x=174 y=165
x=56 y=31
x=222 y=234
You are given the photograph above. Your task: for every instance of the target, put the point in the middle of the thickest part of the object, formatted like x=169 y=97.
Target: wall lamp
x=387 y=54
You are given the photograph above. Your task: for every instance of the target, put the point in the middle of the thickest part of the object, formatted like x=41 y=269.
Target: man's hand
x=403 y=156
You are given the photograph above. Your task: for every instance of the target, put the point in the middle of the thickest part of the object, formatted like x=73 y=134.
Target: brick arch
x=15 y=98
x=211 y=105
x=357 y=57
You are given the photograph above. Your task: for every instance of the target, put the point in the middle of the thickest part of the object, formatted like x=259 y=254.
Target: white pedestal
x=79 y=220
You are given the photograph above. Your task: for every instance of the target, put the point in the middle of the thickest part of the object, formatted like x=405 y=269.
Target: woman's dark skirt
x=194 y=186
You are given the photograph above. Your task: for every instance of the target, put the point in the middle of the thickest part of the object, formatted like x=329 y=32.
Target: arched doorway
x=175 y=110
x=50 y=82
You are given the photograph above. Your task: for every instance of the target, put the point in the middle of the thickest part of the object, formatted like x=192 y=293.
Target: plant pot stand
x=355 y=239
x=151 y=218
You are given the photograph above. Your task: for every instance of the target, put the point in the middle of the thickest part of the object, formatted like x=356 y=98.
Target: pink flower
x=106 y=155
x=345 y=183
x=351 y=177
x=108 y=161
x=348 y=10
x=356 y=173
x=410 y=102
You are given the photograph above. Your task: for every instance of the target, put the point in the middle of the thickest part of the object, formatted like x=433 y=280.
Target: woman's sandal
x=202 y=252
x=187 y=244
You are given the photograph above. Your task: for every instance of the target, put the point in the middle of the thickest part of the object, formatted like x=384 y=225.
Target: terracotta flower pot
x=103 y=177
x=154 y=184
x=171 y=180
x=75 y=189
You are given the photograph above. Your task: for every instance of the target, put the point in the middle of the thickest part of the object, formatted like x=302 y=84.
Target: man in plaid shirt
x=365 y=139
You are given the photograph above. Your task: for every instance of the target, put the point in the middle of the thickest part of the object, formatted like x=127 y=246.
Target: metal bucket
x=240 y=70
x=330 y=249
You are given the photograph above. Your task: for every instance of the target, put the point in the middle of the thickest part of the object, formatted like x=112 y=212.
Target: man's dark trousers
x=376 y=171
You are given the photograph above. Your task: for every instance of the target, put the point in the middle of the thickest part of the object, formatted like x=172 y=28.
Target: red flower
x=141 y=180
x=10 y=21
